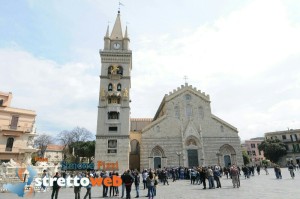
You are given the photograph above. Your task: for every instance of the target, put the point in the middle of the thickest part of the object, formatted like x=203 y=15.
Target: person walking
x=234 y=172
x=88 y=188
x=210 y=176
x=56 y=187
x=77 y=189
x=203 y=176
x=217 y=175
x=258 y=169
x=144 y=176
x=137 y=183
x=44 y=175
x=150 y=185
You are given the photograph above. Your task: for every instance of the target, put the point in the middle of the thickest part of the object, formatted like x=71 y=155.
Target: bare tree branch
x=42 y=141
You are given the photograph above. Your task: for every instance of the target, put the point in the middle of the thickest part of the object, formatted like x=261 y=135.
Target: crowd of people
x=208 y=176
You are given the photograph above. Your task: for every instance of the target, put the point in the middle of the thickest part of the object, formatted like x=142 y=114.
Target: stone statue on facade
x=102 y=93
x=114 y=70
x=125 y=93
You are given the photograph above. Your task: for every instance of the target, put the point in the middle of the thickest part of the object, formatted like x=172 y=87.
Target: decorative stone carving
x=125 y=92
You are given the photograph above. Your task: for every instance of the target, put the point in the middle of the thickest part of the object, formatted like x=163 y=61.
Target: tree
x=71 y=139
x=246 y=158
x=83 y=149
x=41 y=142
x=273 y=149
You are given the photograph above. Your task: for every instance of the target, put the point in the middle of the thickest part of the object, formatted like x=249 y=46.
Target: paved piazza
x=263 y=186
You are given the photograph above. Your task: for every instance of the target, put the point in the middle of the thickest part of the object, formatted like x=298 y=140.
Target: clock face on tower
x=117 y=45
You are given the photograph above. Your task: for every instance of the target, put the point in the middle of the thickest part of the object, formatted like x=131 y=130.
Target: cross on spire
x=120 y=4
x=185 y=79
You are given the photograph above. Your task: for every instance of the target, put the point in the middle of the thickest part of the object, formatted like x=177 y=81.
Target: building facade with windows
x=183 y=132
x=54 y=153
x=251 y=147
x=17 y=131
x=291 y=139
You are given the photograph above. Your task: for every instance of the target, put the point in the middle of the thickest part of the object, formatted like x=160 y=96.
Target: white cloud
x=242 y=60
x=247 y=61
x=62 y=95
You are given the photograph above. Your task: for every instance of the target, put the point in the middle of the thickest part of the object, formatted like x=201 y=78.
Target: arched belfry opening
x=134 y=156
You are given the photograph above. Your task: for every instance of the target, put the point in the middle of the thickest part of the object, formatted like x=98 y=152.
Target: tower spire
x=107 y=31
x=117 y=29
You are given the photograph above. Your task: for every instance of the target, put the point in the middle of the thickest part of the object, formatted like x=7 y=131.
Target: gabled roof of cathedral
x=179 y=91
x=117 y=29
x=223 y=122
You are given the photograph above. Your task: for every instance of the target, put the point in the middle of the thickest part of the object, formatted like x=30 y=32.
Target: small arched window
x=115 y=70
x=120 y=71
x=177 y=111
x=188 y=97
x=188 y=110
x=201 y=112
x=9 y=144
x=110 y=87
x=222 y=128
x=119 y=87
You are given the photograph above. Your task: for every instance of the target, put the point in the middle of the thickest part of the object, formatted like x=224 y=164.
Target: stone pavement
x=263 y=186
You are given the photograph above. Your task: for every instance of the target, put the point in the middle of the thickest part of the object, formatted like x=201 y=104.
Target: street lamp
x=179 y=154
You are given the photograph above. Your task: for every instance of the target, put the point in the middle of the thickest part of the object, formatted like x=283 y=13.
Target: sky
x=244 y=53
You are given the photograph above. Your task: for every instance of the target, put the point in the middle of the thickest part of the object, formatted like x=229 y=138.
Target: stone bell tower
x=112 y=138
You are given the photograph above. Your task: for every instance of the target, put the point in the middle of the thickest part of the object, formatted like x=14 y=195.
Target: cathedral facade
x=183 y=131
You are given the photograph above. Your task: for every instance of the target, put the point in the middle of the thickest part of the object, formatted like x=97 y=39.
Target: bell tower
x=112 y=138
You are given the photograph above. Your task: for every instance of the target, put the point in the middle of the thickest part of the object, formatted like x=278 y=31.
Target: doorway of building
x=227 y=160
x=134 y=156
x=192 y=157
x=157 y=162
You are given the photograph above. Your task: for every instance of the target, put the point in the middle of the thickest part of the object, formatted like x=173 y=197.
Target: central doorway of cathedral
x=193 y=157
x=227 y=160
x=157 y=162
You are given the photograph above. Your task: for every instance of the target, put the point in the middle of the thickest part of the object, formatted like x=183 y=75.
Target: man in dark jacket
x=137 y=183
x=55 y=187
x=128 y=180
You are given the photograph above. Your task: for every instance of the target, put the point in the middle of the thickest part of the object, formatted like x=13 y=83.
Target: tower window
x=113 y=115
x=1 y=102
x=120 y=71
x=115 y=70
x=110 y=87
x=9 y=144
x=113 y=129
x=119 y=87
x=112 y=146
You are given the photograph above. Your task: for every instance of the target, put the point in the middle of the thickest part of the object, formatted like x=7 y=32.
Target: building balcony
x=10 y=128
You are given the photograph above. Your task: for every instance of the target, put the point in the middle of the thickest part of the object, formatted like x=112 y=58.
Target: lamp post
x=178 y=154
